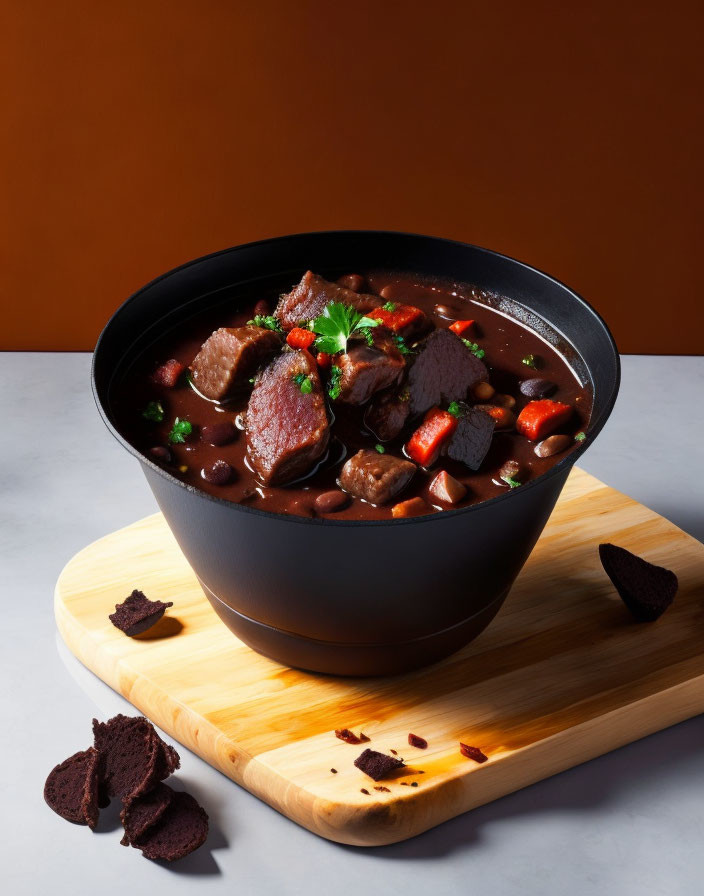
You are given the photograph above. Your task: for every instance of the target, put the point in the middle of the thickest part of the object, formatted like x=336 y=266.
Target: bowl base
x=358 y=660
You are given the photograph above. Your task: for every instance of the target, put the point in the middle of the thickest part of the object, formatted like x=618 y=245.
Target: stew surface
x=374 y=397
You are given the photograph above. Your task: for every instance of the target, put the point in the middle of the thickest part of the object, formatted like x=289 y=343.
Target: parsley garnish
x=389 y=306
x=400 y=343
x=154 y=412
x=304 y=383
x=580 y=437
x=454 y=409
x=530 y=361
x=380 y=449
x=335 y=326
x=180 y=431
x=334 y=388
x=474 y=349
x=511 y=483
x=268 y=321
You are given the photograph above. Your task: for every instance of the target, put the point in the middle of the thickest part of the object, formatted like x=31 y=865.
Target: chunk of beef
x=386 y=415
x=444 y=370
x=375 y=477
x=472 y=438
x=367 y=369
x=229 y=357
x=287 y=427
x=308 y=298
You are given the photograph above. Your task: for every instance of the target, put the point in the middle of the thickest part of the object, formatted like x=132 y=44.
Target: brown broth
x=505 y=340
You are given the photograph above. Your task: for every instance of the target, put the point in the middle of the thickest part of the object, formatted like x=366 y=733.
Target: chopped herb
x=510 y=482
x=474 y=349
x=380 y=449
x=268 y=321
x=334 y=388
x=454 y=409
x=180 y=431
x=251 y=380
x=304 y=383
x=404 y=394
x=580 y=437
x=335 y=326
x=530 y=361
x=389 y=306
x=401 y=345
x=368 y=335
x=154 y=412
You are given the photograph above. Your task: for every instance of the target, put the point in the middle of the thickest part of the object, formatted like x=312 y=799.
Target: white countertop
x=630 y=823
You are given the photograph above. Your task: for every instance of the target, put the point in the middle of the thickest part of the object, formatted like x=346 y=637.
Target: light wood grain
x=562 y=675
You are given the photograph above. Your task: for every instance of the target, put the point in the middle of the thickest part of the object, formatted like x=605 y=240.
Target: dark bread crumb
x=71 y=789
x=382 y=789
x=647 y=590
x=137 y=613
x=473 y=753
x=365 y=791
x=416 y=741
x=334 y=771
x=377 y=765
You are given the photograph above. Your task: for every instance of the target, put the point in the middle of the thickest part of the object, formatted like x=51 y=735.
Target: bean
x=331 y=502
x=483 y=391
x=161 y=453
x=218 y=433
x=262 y=307
x=505 y=401
x=217 y=473
x=537 y=388
x=355 y=282
x=552 y=445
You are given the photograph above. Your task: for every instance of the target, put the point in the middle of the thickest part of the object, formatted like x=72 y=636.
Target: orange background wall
x=137 y=135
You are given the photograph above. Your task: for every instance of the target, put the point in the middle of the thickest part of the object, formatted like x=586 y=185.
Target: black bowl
x=344 y=597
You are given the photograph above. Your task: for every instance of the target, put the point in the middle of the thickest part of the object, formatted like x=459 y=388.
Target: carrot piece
x=424 y=445
x=299 y=337
x=504 y=417
x=324 y=360
x=168 y=374
x=411 y=507
x=539 y=418
x=403 y=317
x=462 y=326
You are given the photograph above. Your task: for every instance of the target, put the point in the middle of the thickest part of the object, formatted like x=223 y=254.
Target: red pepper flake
x=473 y=753
x=365 y=791
x=334 y=771
x=394 y=752
x=349 y=737
x=382 y=789
x=416 y=741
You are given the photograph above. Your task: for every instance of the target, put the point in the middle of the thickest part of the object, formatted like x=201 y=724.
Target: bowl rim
x=592 y=430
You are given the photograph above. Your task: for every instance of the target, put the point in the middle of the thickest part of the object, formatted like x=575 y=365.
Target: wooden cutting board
x=562 y=675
